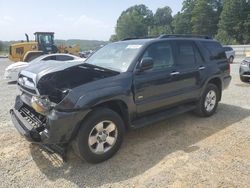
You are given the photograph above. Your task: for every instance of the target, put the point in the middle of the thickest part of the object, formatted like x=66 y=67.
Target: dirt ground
x=184 y=151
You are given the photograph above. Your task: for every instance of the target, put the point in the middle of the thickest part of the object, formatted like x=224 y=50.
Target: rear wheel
x=100 y=136
x=244 y=79
x=208 y=102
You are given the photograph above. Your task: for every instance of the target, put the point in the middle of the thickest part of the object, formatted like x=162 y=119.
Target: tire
x=244 y=79
x=231 y=59
x=97 y=146
x=206 y=106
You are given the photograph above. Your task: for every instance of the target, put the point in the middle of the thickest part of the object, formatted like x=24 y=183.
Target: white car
x=11 y=72
x=230 y=53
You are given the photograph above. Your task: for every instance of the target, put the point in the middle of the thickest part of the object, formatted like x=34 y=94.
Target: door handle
x=174 y=73
x=202 y=68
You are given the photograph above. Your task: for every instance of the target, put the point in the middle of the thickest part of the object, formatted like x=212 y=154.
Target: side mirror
x=146 y=64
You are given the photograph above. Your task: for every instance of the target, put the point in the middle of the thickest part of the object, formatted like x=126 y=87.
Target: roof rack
x=132 y=38
x=184 y=36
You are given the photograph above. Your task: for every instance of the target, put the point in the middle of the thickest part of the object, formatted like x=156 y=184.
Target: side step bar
x=157 y=117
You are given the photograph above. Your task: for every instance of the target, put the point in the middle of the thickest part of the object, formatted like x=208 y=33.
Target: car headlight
x=41 y=105
x=244 y=63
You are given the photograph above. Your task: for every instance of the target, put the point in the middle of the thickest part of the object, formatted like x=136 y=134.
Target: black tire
x=81 y=143
x=200 y=107
x=244 y=79
x=231 y=59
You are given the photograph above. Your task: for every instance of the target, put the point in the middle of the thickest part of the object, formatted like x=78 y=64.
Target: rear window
x=227 y=48
x=215 y=49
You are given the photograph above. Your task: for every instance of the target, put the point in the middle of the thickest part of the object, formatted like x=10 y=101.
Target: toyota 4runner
x=124 y=85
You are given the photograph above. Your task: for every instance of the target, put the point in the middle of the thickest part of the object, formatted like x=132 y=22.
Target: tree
x=1 y=46
x=134 y=22
x=235 y=21
x=182 y=20
x=181 y=24
x=113 y=38
x=204 y=18
x=162 y=21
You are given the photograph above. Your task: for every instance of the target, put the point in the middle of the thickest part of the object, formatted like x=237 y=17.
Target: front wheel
x=244 y=79
x=208 y=102
x=100 y=136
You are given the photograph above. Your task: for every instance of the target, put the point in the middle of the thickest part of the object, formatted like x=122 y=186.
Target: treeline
x=226 y=20
x=84 y=44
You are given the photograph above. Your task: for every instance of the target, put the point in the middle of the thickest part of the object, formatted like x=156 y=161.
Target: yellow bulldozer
x=43 y=44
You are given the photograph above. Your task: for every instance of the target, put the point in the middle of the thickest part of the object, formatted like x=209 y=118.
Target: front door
x=153 y=88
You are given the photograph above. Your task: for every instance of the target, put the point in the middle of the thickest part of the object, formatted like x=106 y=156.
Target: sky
x=71 y=19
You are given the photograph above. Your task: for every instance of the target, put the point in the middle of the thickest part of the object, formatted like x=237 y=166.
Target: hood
x=56 y=81
x=45 y=67
x=17 y=65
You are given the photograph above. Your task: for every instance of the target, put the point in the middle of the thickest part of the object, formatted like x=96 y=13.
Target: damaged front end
x=45 y=110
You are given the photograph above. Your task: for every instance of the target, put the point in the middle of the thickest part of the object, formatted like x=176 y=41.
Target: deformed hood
x=45 y=67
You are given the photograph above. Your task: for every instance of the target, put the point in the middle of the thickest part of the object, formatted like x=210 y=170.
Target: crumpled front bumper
x=57 y=128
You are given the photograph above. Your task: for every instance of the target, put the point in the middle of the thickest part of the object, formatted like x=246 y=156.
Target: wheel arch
x=216 y=81
x=117 y=105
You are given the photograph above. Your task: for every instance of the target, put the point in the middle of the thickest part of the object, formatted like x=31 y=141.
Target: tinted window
x=215 y=49
x=162 y=55
x=49 y=58
x=227 y=48
x=198 y=56
x=64 y=58
x=185 y=54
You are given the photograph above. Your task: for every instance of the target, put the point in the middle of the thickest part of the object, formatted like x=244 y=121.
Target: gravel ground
x=184 y=151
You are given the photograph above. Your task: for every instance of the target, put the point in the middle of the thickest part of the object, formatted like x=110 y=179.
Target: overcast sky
x=72 y=19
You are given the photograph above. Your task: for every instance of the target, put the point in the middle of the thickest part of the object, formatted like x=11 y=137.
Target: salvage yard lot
x=184 y=151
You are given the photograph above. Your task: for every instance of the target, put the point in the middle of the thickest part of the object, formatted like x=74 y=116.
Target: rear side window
x=228 y=48
x=185 y=54
x=215 y=49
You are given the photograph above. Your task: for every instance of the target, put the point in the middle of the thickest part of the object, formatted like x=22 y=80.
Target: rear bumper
x=226 y=81
x=58 y=128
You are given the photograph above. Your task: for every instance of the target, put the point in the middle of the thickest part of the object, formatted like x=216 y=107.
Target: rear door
x=189 y=70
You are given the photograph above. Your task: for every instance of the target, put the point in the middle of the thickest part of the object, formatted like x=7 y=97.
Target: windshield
x=115 y=56
x=38 y=59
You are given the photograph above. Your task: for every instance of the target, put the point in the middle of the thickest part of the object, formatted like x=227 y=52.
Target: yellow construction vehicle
x=43 y=44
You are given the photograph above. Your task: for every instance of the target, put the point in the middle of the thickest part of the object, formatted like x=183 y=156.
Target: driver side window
x=162 y=55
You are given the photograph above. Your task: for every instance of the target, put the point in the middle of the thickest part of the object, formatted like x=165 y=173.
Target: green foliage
x=162 y=21
x=182 y=23
x=1 y=46
x=84 y=44
x=113 y=38
x=203 y=19
x=235 y=21
x=134 y=22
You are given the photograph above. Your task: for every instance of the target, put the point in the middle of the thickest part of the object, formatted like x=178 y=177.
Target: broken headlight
x=41 y=104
